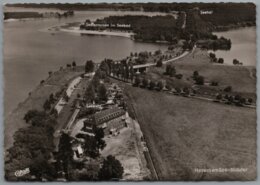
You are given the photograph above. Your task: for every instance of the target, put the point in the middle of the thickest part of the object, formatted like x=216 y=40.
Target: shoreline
x=13 y=121
x=103 y=33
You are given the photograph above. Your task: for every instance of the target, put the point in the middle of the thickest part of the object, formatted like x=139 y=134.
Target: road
x=59 y=106
x=164 y=62
x=184 y=22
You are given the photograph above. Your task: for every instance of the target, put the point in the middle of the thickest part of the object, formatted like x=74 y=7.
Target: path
x=59 y=106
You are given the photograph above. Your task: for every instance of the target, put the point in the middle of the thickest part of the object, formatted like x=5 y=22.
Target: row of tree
x=237 y=99
x=150 y=84
x=215 y=59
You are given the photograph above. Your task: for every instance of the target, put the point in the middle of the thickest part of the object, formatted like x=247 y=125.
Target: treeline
x=21 y=15
x=146 y=28
x=149 y=7
x=225 y=14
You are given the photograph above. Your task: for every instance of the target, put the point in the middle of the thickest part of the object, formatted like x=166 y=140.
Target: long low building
x=110 y=120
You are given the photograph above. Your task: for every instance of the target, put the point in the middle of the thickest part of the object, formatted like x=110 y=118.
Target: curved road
x=166 y=61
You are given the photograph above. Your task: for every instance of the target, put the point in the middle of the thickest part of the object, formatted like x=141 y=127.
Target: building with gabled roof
x=113 y=118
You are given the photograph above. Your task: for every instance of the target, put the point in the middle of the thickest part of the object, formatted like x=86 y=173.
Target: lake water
x=30 y=53
x=243 y=46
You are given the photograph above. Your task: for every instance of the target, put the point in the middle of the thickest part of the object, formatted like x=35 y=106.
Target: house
x=109 y=119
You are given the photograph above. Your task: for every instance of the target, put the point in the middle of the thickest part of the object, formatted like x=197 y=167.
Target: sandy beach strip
x=93 y=32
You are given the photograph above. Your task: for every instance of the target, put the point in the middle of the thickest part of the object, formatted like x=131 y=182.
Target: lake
x=30 y=53
x=243 y=46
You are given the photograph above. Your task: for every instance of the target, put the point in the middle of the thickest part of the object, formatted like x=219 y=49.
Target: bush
x=200 y=80
x=212 y=55
x=89 y=66
x=167 y=86
x=228 y=89
x=220 y=60
x=151 y=85
x=235 y=62
x=195 y=74
x=102 y=92
x=137 y=82
x=157 y=52
x=250 y=100
x=179 y=76
x=170 y=70
x=159 y=63
x=219 y=97
x=47 y=105
x=145 y=82
x=160 y=85
x=214 y=83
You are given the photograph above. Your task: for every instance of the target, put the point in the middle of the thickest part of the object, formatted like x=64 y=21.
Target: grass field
x=241 y=78
x=38 y=96
x=183 y=134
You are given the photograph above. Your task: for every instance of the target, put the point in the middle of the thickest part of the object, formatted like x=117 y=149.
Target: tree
x=137 y=82
x=65 y=153
x=178 y=76
x=102 y=92
x=158 y=52
x=235 y=62
x=42 y=81
x=89 y=66
x=195 y=74
x=51 y=98
x=228 y=89
x=214 y=83
x=42 y=169
x=111 y=169
x=200 y=80
x=160 y=85
x=47 y=105
x=66 y=97
x=99 y=136
x=145 y=82
x=250 y=100
x=221 y=60
x=219 y=97
x=159 y=63
x=105 y=67
x=170 y=70
x=31 y=114
x=168 y=86
x=151 y=85
x=212 y=55
x=131 y=70
x=74 y=64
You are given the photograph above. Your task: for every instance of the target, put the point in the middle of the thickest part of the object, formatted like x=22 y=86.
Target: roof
x=106 y=115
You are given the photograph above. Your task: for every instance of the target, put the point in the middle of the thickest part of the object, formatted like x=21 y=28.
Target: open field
x=241 y=78
x=183 y=134
x=38 y=96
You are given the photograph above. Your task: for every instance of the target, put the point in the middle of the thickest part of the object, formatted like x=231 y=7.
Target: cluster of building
x=110 y=116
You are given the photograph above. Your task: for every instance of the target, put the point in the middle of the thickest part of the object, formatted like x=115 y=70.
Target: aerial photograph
x=145 y=91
